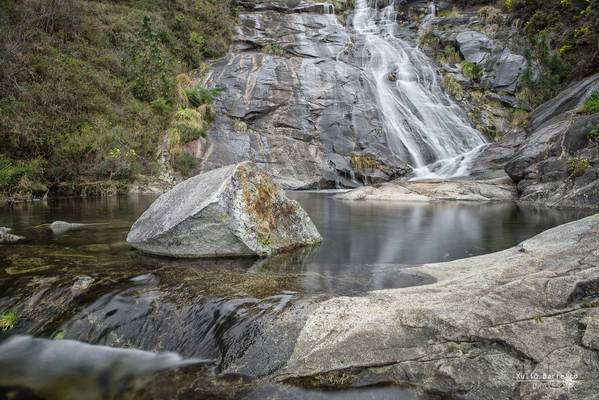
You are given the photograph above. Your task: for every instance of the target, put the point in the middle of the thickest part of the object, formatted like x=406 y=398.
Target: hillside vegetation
x=563 y=35
x=88 y=87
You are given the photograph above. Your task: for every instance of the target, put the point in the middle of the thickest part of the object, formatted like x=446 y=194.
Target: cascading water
x=423 y=125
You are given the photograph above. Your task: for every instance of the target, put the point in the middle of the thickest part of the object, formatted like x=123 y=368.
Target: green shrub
x=190 y=124
x=364 y=162
x=452 y=87
x=593 y=134
x=554 y=71
x=185 y=163
x=591 y=104
x=519 y=118
x=578 y=166
x=200 y=94
x=239 y=126
x=509 y=5
x=449 y=13
x=429 y=40
x=93 y=76
x=471 y=70
x=490 y=14
x=274 y=48
x=449 y=55
x=151 y=69
x=8 y=320
x=17 y=173
x=569 y=25
x=161 y=105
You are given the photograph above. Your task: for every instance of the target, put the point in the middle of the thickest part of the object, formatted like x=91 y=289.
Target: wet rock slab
x=487 y=322
x=427 y=191
x=306 y=105
x=236 y=210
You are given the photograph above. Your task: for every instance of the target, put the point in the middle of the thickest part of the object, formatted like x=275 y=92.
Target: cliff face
x=296 y=103
x=557 y=160
x=301 y=100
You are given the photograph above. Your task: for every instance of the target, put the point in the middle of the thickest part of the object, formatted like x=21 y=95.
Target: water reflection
x=367 y=245
x=361 y=232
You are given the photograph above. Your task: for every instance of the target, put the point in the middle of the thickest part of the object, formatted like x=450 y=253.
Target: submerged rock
x=236 y=210
x=60 y=227
x=6 y=237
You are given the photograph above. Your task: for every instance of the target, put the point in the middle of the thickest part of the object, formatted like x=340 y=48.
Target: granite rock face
x=491 y=72
x=487 y=324
x=557 y=162
x=428 y=191
x=236 y=210
x=474 y=46
x=293 y=80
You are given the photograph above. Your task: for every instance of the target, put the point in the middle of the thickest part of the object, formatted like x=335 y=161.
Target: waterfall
x=423 y=125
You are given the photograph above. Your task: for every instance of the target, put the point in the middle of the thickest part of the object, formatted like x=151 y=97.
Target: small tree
x=151 y=71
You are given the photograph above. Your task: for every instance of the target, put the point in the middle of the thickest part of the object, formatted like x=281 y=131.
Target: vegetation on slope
x=563 y=35
x=87 y=88
x=565 y=38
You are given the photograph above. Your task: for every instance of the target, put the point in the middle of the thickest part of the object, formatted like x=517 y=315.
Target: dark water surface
x=88 y=285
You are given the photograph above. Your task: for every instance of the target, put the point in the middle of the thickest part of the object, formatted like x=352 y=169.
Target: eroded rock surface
x=557 y=162
x=489 y=190
x=297 y=102
x=488 y=322
x=236 y=210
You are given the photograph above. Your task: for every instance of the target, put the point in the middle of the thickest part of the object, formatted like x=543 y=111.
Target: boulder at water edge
x=7 y=238
x=237 y=210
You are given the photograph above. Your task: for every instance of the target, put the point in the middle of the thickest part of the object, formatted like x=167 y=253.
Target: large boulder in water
x=237 y=210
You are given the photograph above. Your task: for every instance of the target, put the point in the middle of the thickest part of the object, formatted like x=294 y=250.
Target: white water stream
x=423 y=125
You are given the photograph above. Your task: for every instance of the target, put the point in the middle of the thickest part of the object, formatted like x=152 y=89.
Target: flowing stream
x=423 y=124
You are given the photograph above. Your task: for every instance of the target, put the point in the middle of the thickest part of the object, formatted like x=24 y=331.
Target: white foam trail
x=423 y=125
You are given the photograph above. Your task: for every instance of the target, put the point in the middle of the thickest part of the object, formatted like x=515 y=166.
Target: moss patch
x=266 y=207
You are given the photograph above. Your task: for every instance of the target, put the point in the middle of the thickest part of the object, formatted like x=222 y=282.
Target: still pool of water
x=367 y=245
x=88 y=285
